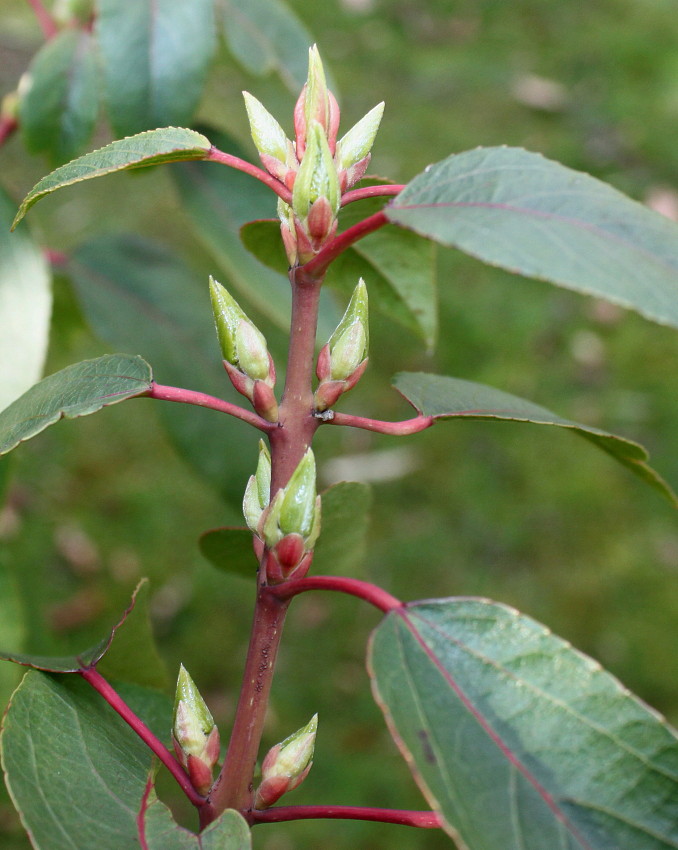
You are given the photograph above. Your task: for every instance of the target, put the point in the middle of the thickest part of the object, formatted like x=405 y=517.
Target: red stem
x=117 y=703
x=320 y=263
x=353 y=586
x=371 y=192
x=164 y=393
x=215 y=155
x=47 y=23
x=395 y=429
x=424 y=820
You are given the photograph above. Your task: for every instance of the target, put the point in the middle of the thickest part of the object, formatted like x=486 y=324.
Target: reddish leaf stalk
x=278 y=814
x=395 y=429
x=47 y=23
x=354 y=587
x=385 y=190
x=215 y=155
x=117 y=703
x=165 y=393
x=318 y=266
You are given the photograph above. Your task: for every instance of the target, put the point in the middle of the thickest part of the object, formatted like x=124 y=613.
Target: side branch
x=319 y=264
x=354 y=587
x=395 y=429
x=116 y=702
x=164 y=393
x=424 y=820
x=215 y=155
x=386 y=190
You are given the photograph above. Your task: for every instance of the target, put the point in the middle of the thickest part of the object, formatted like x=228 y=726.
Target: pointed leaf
x=514 y=209
x=516 y=739
x=169 y=144
x=58 y=110
x=78 y=390
x=117 y=655
x=155 y=56
x=219 y=201
x=340 y=547
x=25 y=307
x=138 y=294
x=159 y=830
x=265 y=36
x=449 y=398
x=75 y=771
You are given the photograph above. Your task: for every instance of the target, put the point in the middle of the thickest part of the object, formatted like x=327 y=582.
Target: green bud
x=317 y=103
x=268 y=135
x=287 y=765
x=349 y=344
x=192 y=722
x=357 y=143
x=242 y=343
x=297 y=509
x=65 y=11
x=317 y=176
x=258 y=489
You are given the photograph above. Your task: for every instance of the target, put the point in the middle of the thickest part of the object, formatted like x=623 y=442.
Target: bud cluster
x=316 y=167
x=289 y=523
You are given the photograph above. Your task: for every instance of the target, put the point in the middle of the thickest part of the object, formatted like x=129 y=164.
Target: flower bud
x=257 y=492
x=194 y=733
x=317 y=177
x=316 y=103
x=269 y=137
x=356 y=145
x=287 y=765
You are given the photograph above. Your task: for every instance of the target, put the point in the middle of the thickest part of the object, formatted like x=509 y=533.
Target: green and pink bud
x=246 y=357
x=353 y=150
x=343 y=360
x=276 y=151
x=316 y=103
x=286 y=765
x=194 y=733
x=257 y=492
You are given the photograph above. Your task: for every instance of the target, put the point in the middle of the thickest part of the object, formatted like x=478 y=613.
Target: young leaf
x=514 y=209
x=159 y=830
x=169 y=144
x=264 y=36
x=25 y=307
x=155 y=56
x=77 y=390
x=516 y=739
x=117 y=655
x=58 y=110
x=75 y=771
x=340 y=547
x=137 y=294
x=450 y=398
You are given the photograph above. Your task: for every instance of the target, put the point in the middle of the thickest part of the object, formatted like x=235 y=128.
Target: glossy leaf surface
x=155 y=55
x=169 y=144
x=517 y=740
x=161 y=832
x=77 y=390
x=74 y=769
x=517 y=210
x=25 y=307
x=137 y=294
x=265 y=36
x=58 y=111
x=450 y=398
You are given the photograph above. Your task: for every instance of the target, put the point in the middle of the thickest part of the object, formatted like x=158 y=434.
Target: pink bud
x=289 y=551
x=357 y=172
x=264 y=401
x=333 y=127
x=320 y=220
x=199 y=774
x=242 y=383
x=323 y=368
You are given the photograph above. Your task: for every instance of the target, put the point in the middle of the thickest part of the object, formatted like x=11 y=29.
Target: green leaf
x=265 y=36
x=155 y=56
x=117 y=655
x=75 y=771
x=517 y=210
x=59 y=107
x=340 y=547
x=516 y=739
x=169 y=144
x=78 y=390
x=450 y=398
x=219 y=201
x=12 y=626
x=135 y=293
x=161 y=832
x=25 y=307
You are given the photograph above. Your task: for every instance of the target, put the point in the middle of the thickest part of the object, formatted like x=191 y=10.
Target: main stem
x=289 y=441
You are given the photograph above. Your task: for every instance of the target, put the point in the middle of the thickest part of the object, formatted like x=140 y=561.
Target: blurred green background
x=531 y=517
